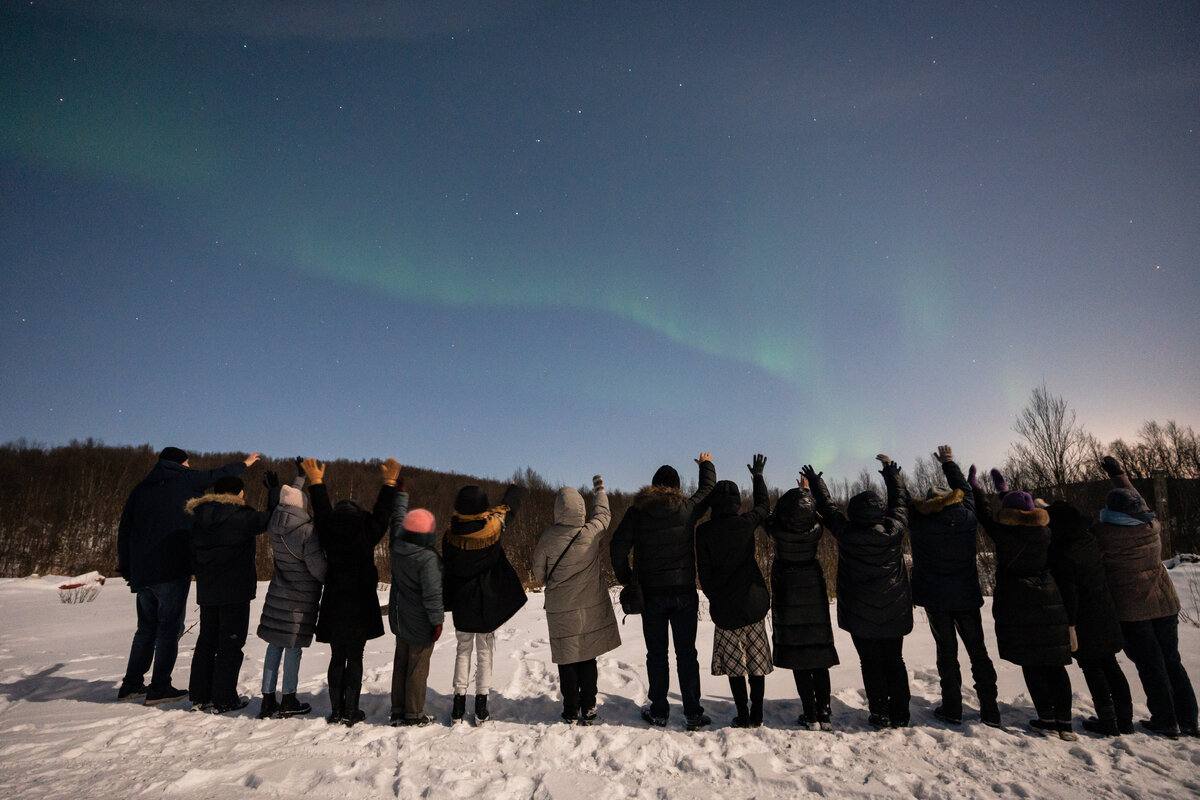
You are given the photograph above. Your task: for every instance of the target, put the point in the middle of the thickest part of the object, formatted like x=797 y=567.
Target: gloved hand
x=437 y=632
x=972 y=481
x=271 y=479
x=810 y=474
x=758 y=462
x=314 y=470
x=390 y=470
x=299 y=461
x=998 y=480
x=1111 y=466
x=597 y=483
x=944 y=454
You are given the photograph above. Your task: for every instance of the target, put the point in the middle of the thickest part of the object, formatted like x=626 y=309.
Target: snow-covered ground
x=61 y=734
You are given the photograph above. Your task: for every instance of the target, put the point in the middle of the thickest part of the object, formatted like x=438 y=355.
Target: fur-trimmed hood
x=668 y=498
x=1037 y=518
x=932 y=505
x=227 y=499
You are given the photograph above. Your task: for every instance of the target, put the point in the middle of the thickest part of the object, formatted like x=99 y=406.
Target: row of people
x=1063 y=587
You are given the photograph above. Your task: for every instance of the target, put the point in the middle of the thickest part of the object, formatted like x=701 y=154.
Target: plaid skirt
x=744 y=651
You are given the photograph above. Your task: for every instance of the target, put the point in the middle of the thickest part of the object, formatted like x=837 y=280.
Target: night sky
x=596 y=236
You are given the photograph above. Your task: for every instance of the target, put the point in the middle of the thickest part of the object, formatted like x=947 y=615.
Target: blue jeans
x=1153 y=647
x=291 y=668
x=160 y=610
x=680 y=613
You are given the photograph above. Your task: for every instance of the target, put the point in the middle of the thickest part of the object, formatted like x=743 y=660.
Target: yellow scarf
x=488 y=535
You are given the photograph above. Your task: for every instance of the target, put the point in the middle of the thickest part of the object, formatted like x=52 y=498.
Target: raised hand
x=944 y=454
x=972 y=481
x=390 y=470
x=271 y=479
x=1111 y=466
x=810 y=474
x=998 y=480
x=299 y=461
x=252 y=459
x=597 y=483
x=703 y=457
x=758 y=463
x=314 y=470
x=882 y=459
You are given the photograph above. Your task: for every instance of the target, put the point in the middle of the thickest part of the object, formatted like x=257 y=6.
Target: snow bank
x=62 y=736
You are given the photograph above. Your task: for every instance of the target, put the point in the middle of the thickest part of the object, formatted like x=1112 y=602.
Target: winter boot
x=268 y=706
x=879 y=721
x=1063 y=728
x=989 y=711
x=757 y=691
x=1104 y=726
x=950 y=716
x=587 y=716
x=481 y=711
x=335 y=703
x=824 y=720
x=351 y=713
x=291 y=707
x=459 y=709
x=1124 y=714
x=1043 y=726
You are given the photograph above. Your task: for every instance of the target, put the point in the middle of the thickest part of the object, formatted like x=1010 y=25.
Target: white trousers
x=484 y=645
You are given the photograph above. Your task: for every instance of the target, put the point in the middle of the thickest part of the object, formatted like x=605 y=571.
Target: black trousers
x=948 y=627
x=578 y=684
x=1153 y=647
x=1109 y=688
x=885 y=678
x=345 y=676
x=217 y=659
x=813 y=687
x=1050 y=689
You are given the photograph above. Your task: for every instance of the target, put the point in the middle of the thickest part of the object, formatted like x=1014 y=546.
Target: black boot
x=351 y=713
x=459 y=709
x=1104 y=726
x=737 y=687
x=481 y=712
x=824 y=718
x=757 y=691
x=268 y=707
x=291 y=707
x=989 y=711
x=335 y=703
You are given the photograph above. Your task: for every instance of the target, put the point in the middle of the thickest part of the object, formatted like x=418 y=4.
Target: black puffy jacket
x=737 y=594
x=224 y=536
x=874 y=600
x=945 y=569
x=659 y=529
x=801 y=631
x=349 y=610
x=1078 y=569
x=480 y=588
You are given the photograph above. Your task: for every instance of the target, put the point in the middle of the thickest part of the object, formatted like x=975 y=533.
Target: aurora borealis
x=596 y=237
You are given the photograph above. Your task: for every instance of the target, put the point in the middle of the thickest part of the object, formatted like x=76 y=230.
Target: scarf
x=1118 y=518
x=486 y=536
x=936 y=503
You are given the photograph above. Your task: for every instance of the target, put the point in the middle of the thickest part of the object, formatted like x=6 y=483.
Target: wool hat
x=471 y=500
x=230 y=484
x=725 y=499
x=666 y=476
x=1125 y=501
x=866 y=508
x=419 y=520
x=291 y=496
x=173 y=454
x=1021 y=501
x=796 y=507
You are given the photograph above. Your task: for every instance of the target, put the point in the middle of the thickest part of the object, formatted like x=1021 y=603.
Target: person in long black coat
x=224 y=537
x=874 y=599
x=738 y=599
x=1032 y=627
x=349 y=613
x=801 y=631
x=1078 y=569
x=481 y=589
x=945 y=582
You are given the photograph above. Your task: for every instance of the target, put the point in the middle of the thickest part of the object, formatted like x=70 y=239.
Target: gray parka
x=415 y=601
x=579 y=610
x=289 y=614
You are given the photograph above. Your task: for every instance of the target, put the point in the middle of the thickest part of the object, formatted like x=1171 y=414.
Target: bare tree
x=1054 y=449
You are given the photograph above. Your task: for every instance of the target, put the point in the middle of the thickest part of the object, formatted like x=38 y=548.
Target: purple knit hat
x=1019 y=501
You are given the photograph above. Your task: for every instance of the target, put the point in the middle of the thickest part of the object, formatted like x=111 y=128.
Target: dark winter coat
x=1078 y=570
x=480 y=588
x=1031 y=620
x=801 y=631
x=659 y=529
x=415 y=599
x=224 y=533
x=729 y=575
x=350 y=603
x=874 y=599
x=154 y=536
x=945 y=570
x=289 y=615
x=1141 y=588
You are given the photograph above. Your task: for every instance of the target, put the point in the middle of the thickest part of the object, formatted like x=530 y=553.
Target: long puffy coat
x=659 y=529
x=480 y=587
x=579 y=611
x=1078 y=570
x=415 y=604
x=224 y=535
x=289 y=615
x=874 y=599
x=801 y=631
x=154 y=535
x=1141 y=588
x=350 y=604
x=737 y=594
x=1031 y=620
x=945 y=570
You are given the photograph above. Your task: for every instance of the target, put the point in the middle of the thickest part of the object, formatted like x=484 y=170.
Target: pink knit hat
x=419 y=521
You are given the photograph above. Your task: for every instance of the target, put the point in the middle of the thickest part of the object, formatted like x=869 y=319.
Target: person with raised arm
x=1032 y=626
x=579 y=611
x=658 y=531
x=874 y=599
x=349 y=614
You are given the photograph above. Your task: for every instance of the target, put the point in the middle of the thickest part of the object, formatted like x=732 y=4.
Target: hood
x=659 y=499
x=569 y=509
x=938 y=502
x=725 y=500
x=164 y=471
x=1036 y=518
x=796 y=509
x=470 y=500
x=866 y=508
x=1067 y=521
x=224 y=499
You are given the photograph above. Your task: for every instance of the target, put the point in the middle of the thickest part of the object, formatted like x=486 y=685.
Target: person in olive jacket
x=1147 y=604
x=801 y=631
x=224 y=536
x=1032 y=627
x=1078 y=569
x=659 y=530
x=349 y=614
x=945 y=582
x=579 y=610
x=481 y=589
x=874 y=600
x=738 y=600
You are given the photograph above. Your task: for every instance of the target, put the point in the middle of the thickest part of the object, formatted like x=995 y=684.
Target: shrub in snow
x=81 y=588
